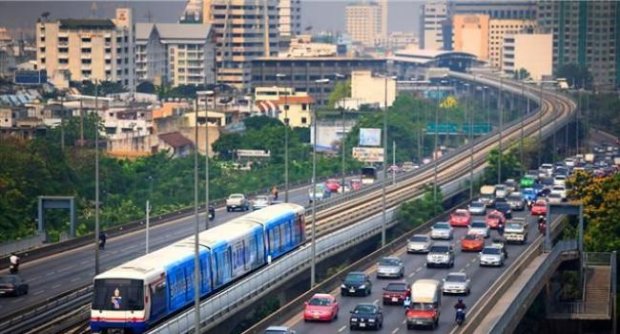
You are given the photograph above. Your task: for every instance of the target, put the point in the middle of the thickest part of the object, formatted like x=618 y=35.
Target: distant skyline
x=20 y=16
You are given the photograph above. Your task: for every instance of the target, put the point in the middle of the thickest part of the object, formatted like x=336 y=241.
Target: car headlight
x=371 y=320
x=343 y=286
x=353 y=319
x=363 y=286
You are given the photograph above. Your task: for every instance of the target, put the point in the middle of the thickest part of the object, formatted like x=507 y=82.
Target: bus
x=369 y=175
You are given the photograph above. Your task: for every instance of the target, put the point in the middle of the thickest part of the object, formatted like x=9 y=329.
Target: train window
x=297 y=230
x=158 y=298
x=286 y=234
x=118 y=294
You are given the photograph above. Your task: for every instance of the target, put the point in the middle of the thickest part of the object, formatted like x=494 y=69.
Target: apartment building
x=367 y=22
x=179 y=54
x=289 y=18
x=433 y=21
x=471 y=34
x=496 y=9
x=89 y=49
x=498 y=29
x=585 y=33
x=518 y=54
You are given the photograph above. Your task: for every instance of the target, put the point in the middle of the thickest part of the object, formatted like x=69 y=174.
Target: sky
x=320 y=14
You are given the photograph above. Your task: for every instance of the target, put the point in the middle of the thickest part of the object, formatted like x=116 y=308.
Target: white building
x=180 y=54
x=533 y=52
x=434 y=15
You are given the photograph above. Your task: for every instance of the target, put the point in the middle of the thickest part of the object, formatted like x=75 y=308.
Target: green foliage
x=146 y=87
x=602 y=112
x=420 y=210
x=259 y=312
x=260 y=122
x=341 y=90
x=522 y=74
x=575 y=75
x=510 y=164
x=103 y=88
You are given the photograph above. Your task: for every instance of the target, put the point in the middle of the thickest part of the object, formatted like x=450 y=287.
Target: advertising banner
x=370 y=137
x=368 y=154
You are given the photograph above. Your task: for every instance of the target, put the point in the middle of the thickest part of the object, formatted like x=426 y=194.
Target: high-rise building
x=585 y=33
x=471 y=34
x=365 y=22
x=498 y=28
x=434 y=15
x=243 y=30
x=89 y=49
x=518 y=54
x=496 y=9
x=289 y=18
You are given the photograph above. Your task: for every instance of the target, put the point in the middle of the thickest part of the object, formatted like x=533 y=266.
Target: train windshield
x=118 y=295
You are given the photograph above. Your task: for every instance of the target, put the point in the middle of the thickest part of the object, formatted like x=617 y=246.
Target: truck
x=516 y=231
x=425 y=304
x=487 y=195
x=237 y=201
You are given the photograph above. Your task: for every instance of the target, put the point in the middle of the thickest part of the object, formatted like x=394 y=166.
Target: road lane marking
x=376 y=302
x=342 y=329
x=417 y=270
x=38 y=292
x=56 y=286
x=411 y=275
x=395 y=330
x=292 y=322
x=50 y=273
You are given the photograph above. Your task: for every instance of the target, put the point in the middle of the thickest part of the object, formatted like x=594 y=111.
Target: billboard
x=370 y=137
x=253 y=154
x=368 y=154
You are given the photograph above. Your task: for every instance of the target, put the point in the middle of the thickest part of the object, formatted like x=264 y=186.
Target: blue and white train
x=133 y=296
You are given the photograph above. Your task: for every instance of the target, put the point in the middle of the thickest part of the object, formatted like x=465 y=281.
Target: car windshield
x=396 y=287
x=365 y=309
x=441 y=226
x=419 y=238
x=422 y=306
x=555 y=195
x=460 y=214
x=234 y=196
x=514 y=197
x=456 y=278
x=501 y=206
x=471 y=237
x=275 y=331
x=355 y=277
x=500 y=187
x=491 y=251
x=477 y=204
x=478 y=225
x=440 y=249
x=319 y=301
x=513 y=225
x=389 y=262
x=261 y=198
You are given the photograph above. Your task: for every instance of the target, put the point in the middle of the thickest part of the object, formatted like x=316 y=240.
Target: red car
x=539 y=208
x=321 y=307
x=460 y=217
x=396 y=293
x=333 y=185
x=472 y=243
x=493 y=219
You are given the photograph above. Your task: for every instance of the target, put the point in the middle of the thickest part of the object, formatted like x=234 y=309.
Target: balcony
x=85 y=56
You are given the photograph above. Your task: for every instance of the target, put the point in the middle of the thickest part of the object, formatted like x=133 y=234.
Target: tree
x=341 y=90
x=522 y=74
x=511 y=166
x=420 y=210
x=577 y=76
x=260 y=122
x=146 y=87
x=104 y=88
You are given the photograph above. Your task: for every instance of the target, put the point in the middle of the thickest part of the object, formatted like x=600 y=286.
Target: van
x=487 y=195
x=425 y=304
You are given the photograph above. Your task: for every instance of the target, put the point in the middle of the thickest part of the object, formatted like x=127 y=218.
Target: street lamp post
x=383 y=183
x=97 y=179
x=286 y=123
x=343 y=138
x=435 y=155
x=148 y=212
x=317 y=84
x=196 y=227
x=207 y=93
x=500 y=108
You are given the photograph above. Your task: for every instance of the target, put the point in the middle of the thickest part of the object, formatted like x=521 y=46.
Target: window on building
x=304 y=120
x=304 y=106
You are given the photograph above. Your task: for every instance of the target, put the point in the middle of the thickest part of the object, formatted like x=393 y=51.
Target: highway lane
x=415 y=268
x=56 y=274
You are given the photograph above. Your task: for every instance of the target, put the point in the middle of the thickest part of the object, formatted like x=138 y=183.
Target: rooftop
x=172 y=31
x=86 y=24
x=175 y=139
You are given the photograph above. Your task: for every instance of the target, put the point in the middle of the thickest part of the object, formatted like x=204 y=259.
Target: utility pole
x=96 y=180
x=383 y=201
x=196 y=227
x=500 y=108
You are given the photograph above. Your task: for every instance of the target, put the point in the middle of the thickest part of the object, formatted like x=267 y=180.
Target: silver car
x=390 y=267
x=442 y=230
x=492 y=256
x=479 y=227
x=261 y=202
x=419 y=243
x=477 y=208
x=516 y=201
x=456 y=283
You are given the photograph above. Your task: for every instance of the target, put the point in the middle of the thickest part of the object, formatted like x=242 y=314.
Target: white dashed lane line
x=342 y=329
x=395 y=330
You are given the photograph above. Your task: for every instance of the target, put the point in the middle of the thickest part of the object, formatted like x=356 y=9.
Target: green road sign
x=442 y=128
x=477 y=129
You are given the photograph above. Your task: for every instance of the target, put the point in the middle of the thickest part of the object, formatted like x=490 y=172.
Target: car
x=539 y=208
x=321 y=307
x=442 y=230
x=527 y=181
x=472 y=243
x=356 y=283
x=492 y=256
x=278 y=330
x=504 y=208
x=561 y=171
x=494 y=218
x=261 y=202
x=529 y=195
x=237 y=201
x=390 y=266
x=545 y=170
x=12 y=285
x=419 y=243
x=501 y=191
x=456 y=283
x=409 y=166
x=366 y=315
x=477 y=208
x=511 y=185
x=570 y=162
x=322 y=193
x=559 y=190
x=479 y=227
x=460 y=218
x=559 y=180
x=394 y=169
x=332 y=185
x=441 y=254
x=516 y=231
x=396 y=293
x=346 y=189
x=516 y=201
x=555 y=198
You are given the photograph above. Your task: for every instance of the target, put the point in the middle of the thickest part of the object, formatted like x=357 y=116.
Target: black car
x=211 y=212
x=356 y=283
x=366 y=315
x=12 y=285
x=504 y=208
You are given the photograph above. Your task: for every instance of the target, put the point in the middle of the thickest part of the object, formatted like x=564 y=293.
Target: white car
x=440 y=255
x=419 y=243
x=554 y=198
x=559 y=180
x=545 y=170
x=501 y=191
x=559 y=190
x=479 y=227
x=569 y=162
x=456 y=283
x=477 y=208
x=442 y=230
x=261 y=202
x=492 y=256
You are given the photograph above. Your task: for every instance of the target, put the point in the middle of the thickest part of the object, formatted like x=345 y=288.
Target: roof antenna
x=149 y=16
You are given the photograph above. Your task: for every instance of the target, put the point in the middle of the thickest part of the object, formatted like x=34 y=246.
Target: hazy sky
x=321 y=14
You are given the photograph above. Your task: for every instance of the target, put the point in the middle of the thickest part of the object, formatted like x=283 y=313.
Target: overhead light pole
x=148 y=212
x=317 y=83
x=343 y=138
x=196 y=226
x=96 y=178
x=206 y=94
x=286 y=124
x=500 y=107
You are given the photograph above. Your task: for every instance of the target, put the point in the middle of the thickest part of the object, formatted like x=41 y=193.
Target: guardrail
x=509 y=319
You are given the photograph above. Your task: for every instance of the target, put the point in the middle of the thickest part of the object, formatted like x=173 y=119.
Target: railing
x=21 y=245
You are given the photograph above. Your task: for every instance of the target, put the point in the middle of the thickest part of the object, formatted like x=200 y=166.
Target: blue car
x=529 y=195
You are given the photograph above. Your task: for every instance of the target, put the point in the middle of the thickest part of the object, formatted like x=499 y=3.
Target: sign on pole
x=370 y=137
x=368 y=154
x=253 y=153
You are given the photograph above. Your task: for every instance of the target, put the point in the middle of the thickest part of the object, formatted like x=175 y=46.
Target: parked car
x=516 y=201
x=261 y=202
x=395 y=293
x=441 y=254
x=419 y=243
x=460 y=217
x=366 y=315
x=237 y=201
x=479 y=227
x=356 y=283
x=539 y=208
x=390 y=266
x=494 y=218
x=456 y=283
x=442 y=230
x=278 y=330
x=12 y=285
x=321 y=307
x=492 y=256
x=472 y=243
x=477 y=208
